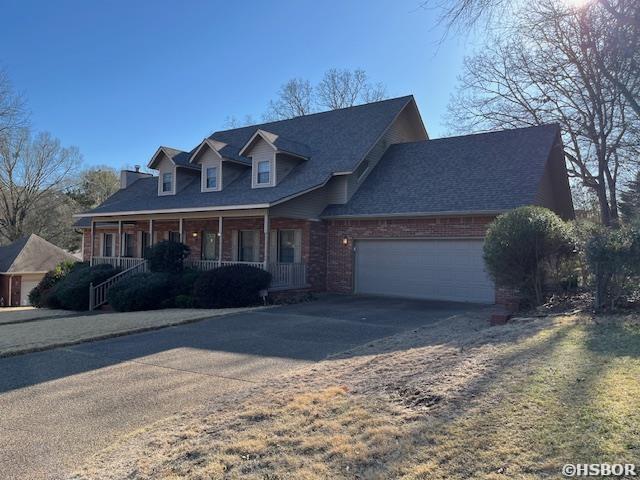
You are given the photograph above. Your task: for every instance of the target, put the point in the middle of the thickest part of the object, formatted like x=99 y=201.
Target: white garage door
x=431 y=269
x=25 y=288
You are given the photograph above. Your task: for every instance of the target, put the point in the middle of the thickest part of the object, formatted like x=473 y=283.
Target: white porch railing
x=288 y=275
x=98 y=294
x=284 y=275
x=117 y=262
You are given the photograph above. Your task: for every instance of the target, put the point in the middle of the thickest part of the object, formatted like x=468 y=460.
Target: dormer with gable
x=173 y=169
x=219 y=164
x=273 y=157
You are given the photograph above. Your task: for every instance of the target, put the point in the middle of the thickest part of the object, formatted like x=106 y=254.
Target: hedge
x=230 y=286
x=72 y=292
x=141 y=291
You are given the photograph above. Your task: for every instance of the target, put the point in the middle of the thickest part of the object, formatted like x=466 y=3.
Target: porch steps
x=98 y=294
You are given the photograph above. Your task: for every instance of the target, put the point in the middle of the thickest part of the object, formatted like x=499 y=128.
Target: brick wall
x=340 y=258
x=313 y=239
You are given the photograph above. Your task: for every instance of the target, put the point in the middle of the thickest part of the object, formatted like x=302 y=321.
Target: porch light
x=194 y=234
x=345 y=241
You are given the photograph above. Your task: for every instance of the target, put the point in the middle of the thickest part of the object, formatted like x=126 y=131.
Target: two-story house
x=356 y=200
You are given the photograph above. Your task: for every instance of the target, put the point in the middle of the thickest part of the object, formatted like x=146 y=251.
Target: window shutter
x=256 y=245
x=297 y=246
x=100 y=246
x=273 y=247
x=234 y=245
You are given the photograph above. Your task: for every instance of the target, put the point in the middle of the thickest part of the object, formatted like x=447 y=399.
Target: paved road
x=59 y=406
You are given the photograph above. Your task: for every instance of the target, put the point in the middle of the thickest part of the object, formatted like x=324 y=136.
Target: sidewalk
x=33 y=330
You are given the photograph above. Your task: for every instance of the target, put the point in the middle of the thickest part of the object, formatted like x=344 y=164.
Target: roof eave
x=451 y=213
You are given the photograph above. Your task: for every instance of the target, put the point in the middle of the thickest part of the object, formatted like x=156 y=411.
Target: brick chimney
x=127 y=177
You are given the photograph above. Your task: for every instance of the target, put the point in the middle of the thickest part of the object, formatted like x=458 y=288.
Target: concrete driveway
x=59 y=406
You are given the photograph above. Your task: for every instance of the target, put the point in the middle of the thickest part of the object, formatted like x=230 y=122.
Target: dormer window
x=167 y=182
x=264 y=172
x=211 y=178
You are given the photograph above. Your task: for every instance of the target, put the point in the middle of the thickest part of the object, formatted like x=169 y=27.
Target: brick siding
x=340 y=258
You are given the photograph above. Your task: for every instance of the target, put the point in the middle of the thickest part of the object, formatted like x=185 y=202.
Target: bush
x=141 y=291
x=613 y=256
x=184 y=301
x=523 y=246
x=72 y=292
x=231 y=286
x=167 y=256
x=38 y=295
x=182 y=283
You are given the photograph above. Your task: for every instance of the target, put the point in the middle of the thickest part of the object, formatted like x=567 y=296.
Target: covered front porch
x=281 y=246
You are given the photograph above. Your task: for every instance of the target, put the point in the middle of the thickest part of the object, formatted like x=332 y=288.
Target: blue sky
x=119 y=78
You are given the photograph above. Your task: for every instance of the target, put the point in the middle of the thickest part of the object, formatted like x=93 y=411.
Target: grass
x=506 y=402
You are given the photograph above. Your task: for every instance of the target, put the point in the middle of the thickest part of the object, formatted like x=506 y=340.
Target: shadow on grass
x=615 y=338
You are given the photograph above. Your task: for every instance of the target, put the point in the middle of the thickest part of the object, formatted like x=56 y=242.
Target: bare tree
x=295 y=98
x=346 y=88
x=31 y=170
x=337 y=89
x=12 y=107
x=232 y=121
x=547 y=73
x=94 y=185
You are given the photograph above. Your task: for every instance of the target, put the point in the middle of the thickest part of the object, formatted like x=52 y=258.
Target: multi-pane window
x=212 y=178
x=167 y=181
x=127 y=244
x=209 y=246
x=247 y=246
x=107 y=248
x=264 y=172
x=286 y=246
x=174 y=237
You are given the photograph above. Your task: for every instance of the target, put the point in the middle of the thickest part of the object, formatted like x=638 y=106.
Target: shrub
x=167 y=256
x=230 y=286
x=523 y=246
x=184 y=301
x=182 y=283
x=72 y=292
x=141 y=291
x=613 y=256
x=38 y=295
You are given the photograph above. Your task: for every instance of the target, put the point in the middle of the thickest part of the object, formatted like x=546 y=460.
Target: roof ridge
x=489 y=132
x=312 y=114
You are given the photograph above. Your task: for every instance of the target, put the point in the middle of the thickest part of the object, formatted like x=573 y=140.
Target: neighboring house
x=23 y=263
x=356 y=200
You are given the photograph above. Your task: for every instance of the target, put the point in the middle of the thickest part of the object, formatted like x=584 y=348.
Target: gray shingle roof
x=31 y=254
x=492 y=171
x=336 y=140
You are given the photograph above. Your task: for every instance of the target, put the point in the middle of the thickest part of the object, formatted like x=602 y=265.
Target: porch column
x=93 y=234
x=119 y=238
x=220 y=240
x=181 y=229
x=150 y=231
x=266 y=241
x=9 y=301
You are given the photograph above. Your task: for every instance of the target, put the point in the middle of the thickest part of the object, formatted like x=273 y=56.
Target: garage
x=451 y=270
x=29 y=282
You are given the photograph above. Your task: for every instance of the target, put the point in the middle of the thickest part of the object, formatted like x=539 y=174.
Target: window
x=167 y=181
x=175 y=237
x=286 y=246
x=107 y=248
x=264 y=172
x=211 y=178
x=209 y=246
x=247 y=246
x=127 y=244
x=144 y=243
